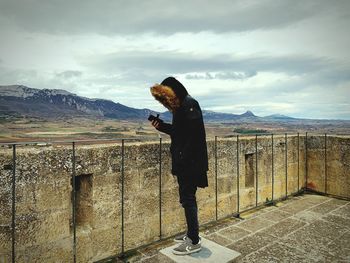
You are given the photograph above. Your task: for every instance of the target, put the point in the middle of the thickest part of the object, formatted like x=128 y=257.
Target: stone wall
x=329 y=164
x=44 y=191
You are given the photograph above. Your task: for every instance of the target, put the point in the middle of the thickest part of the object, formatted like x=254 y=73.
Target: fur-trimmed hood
x=170 y=93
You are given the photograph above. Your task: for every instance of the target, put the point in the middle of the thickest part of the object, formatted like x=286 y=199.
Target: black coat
x=188 y=143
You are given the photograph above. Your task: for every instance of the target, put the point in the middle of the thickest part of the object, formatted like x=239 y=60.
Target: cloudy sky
x=267 y=56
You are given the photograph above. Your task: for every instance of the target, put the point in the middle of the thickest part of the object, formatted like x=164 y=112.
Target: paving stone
x=234 y=233
x=276 y=215
x=338 y=250
x=343 y=211
x=310 y=228
x=343 y=241
x=327 y=229
x=217 y=238
x=276 y=253
x=329 y=206
x=283 y=227
x=153 y=249
x=252 y=213
x=254 y=224
x=307 y=204
x=207 y=230
x=309 y=241
x=315 y=199
x=252 y=243
x=159 y=258
x=296 y=207
x=339 y=202
x=339 y=220
x=307 y=216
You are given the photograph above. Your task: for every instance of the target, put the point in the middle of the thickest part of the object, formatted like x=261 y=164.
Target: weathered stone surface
x=281 y=228
x=326 y=229
x=343 y=211
x=304 y=241
x=327 y=207
x=219 y=239
x=44 y=192
x=35 y=229
x=105 y=242
x=339 y=220
x=234 y=233
x=308 y=241
x=276 y=215
x=159 y=258
x=277 y=252
x=252 y=243
x=254 y=224
x=307 y=215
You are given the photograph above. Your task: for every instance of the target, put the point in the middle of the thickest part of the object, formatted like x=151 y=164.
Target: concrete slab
x=211 y=252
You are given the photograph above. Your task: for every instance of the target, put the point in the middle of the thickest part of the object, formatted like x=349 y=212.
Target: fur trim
x=166 y=96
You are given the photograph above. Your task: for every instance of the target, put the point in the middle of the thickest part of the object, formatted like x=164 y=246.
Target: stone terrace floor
x=306 y=228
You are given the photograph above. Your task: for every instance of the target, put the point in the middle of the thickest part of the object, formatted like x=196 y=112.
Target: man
x=189 y=153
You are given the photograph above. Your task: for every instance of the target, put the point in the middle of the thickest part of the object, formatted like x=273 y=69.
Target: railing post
x=216 y=179
x=325 y=163
x=13 y=223
x=286 y=162
x=306 y=162
x=256 y=170
x=160 y=188
x=273 y=168
x=74 y=205
x=298 y=165
x=122 y=195
x=238 y=174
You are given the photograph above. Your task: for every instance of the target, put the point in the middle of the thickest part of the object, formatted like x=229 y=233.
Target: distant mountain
x=279 y=117
x=213 y=116
x=20 y=101
x=54 y=103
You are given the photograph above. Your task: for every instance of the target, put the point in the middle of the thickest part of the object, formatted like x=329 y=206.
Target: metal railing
x=123 y=140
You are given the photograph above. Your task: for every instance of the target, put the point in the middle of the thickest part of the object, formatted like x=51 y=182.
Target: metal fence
x=123 y=140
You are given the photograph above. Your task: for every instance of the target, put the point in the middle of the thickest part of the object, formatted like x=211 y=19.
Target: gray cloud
x=183 y=63
x=163 y=17
x=69 y=74
x=222 y=75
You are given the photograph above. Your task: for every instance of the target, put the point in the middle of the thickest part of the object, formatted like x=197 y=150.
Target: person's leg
x=187 y=192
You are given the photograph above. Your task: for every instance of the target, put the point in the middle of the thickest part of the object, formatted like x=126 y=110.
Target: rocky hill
x=54 y=103
x=22 y=101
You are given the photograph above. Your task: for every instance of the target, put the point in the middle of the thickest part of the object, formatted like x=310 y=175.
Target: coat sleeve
x=193 y=118
x=166 y=128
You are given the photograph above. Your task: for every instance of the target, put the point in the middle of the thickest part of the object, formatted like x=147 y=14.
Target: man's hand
x=155 y=124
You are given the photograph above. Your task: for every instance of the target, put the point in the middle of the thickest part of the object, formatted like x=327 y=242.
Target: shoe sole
x=187 y=252
x=181 y=241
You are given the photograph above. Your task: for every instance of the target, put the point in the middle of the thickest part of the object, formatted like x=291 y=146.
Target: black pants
x=187 y=193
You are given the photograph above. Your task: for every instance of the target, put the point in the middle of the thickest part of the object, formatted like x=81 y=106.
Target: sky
x=266 y=56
